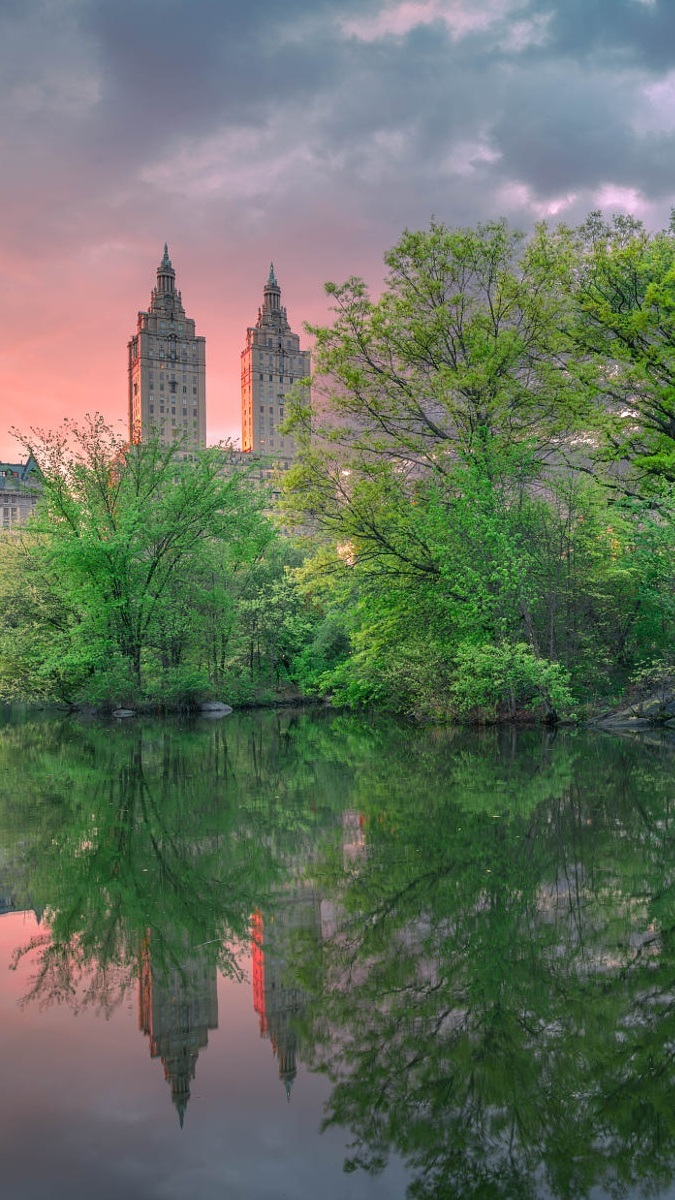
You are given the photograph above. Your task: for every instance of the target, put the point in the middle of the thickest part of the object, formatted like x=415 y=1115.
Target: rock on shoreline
x=214 y=708
x=656 y=711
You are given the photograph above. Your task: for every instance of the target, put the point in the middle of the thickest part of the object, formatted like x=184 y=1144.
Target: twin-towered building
x=167 y=372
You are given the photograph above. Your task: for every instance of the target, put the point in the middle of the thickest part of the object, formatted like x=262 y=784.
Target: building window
x=152 y=408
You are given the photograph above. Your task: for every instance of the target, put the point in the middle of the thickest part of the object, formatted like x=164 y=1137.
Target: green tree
x=459 y=361
x=463 y=349
x=124 y=537
x=625 y=293
x=434 y=412
x=447 y=462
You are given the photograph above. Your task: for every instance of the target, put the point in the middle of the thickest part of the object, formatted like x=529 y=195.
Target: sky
x=309 y=133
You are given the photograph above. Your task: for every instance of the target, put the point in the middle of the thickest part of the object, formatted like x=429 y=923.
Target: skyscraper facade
x=167 y=369
x=271 y=363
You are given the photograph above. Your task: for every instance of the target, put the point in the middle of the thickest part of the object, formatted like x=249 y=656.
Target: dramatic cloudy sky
x=310 y=132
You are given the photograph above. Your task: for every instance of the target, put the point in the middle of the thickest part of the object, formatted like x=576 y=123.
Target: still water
x=303 y=954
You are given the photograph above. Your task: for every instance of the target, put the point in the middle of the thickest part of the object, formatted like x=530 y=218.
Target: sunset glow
x=306 y=136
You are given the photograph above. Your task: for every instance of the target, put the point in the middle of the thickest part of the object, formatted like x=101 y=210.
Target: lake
x=300 y=953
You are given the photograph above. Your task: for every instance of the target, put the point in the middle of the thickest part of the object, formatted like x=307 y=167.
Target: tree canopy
x=460 y=457
x=126 y=547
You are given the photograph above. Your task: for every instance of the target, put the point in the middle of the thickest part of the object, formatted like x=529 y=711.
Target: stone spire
x=166 y=276
x=273 y=313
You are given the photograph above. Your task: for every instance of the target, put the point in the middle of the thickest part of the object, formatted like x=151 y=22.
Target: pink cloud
x=460 y=17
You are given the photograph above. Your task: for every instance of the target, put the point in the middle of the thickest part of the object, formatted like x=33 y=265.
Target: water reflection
x=471 y=935
x=497 y=1001
x=176 y=1010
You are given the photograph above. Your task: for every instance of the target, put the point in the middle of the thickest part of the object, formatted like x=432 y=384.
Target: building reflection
x=299 y=913
x=177 y=983
x=277 y=999
x=177 y=1007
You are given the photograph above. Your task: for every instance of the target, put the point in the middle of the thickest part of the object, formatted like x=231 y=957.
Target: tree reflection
x=144 y=852
x=159 y=832
x=496 y=1003
x=150 y=848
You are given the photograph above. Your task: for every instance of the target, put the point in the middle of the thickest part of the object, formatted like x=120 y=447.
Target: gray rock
x=619 y=722
x=214 y=708
x=656 y=710
x=651 y=708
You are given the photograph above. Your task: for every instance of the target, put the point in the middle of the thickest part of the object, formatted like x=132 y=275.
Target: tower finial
x=166 y=261
x=272 y=280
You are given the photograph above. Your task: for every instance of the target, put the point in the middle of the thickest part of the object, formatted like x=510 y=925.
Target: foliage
x=450 y=466
x=625 y=297
x=458 y=353
x=492 y=679
x=124 y=549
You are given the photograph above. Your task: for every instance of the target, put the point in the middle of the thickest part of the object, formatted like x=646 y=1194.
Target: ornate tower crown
x=166 y=276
